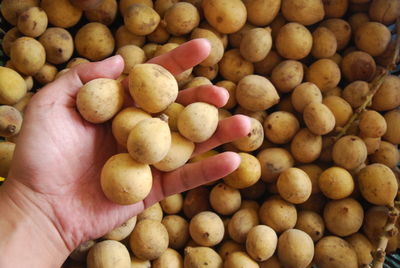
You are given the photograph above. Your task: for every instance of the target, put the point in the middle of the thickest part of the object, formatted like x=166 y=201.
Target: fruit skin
x=10 y=121
x=107 y=254
x=12 y=86
x=378 y=184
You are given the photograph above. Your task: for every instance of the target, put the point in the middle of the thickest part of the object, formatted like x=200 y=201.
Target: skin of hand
x=53 y=195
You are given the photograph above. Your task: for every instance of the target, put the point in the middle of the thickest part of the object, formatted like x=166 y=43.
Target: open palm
x=59 y=156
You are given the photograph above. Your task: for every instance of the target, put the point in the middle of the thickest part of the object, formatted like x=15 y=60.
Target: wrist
x=28 y=236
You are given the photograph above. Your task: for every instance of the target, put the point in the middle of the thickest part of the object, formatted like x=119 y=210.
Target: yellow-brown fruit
x=226 y=16
x=141 y=19
x=341 y=29
x=9 y=38
x=392 y=119
x=247 y=174
x=287 y=75
x=336 y=183
x=306 y=12
x=278 y=214
x=273 y=161
x=234 y=67
x=313 y=171
x=256 y=93
x=124 y=37
x=388 y=95
x=46 y=74
x=125 y=181
x=196 y=201
x=306 y=147
x=132 y=56
x=149 y=239
x=332 y=251
x=58 y=44
x=170 y=258
x=105 y=12
x=295 y=249
x=318 y=118
x=161 y=6
x=217 y=47
x=349 y=152
x=196 y=257
x=340 y=108
x=61 y=13
x=384 y=11
x=315 y=203
x=172 y=204
x=108 y=253
x=179 y=153
x=324 y=43
x=378 y=184
x=27 y=55
x=311 y=223
x=32 y=22
x=239 y=259
x=123 y=231
x=294 y=41
x=178 y=231
x=253 y=140
x=228 y=247
x=241 y=223
x=11 y=9
x=355 y=93
x=373 y=38
x=324 y=73
x=206 y=229
x=343 y=217
x=363 y=248
x=10 y=121
x=261 y=242
x=181 y=18
x=224 y=199
x=152 y=87
x=154 y=212
x=372 y=124
x=294 y=185
x=125 y=4
x=335 y=9
x=266 y=65
x=94 y=41
x=304 y=94
x=6 y=155
x=262 y=12
x=12 y=86
x=357 y=19
x=280 y=127
x=358 y=65
x=256 y=44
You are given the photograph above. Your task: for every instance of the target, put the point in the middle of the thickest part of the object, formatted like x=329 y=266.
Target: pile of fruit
x=318 y=179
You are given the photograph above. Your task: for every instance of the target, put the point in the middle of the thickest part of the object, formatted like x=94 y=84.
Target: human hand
x=59 y=156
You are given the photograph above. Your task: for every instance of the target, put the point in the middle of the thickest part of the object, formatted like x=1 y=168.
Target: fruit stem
x=389 y=231
x=374 y=86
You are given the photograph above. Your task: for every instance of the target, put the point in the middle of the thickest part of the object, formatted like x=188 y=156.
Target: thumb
x=67 y=86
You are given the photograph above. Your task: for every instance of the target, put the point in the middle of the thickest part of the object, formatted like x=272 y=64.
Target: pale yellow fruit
x=152 y=87
x=141 y=19
x=12 y=86
x=27 y=55
x=295 y=249
x=149 y=141
x=196 y=257
x=294 y=185
x=261 y=242
x=278 y=214
x=108 y=253
x=125 y=181
x=122 y=231
x=206 y=229
x=349 y=152
x=100 y=99
x=149 y=239
x=6 y=155
x=273 y=161
x=336 y=183
x=332 y=251
x=311 y=223
x=61 y=13
x=198 y=121
x=247 y=174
